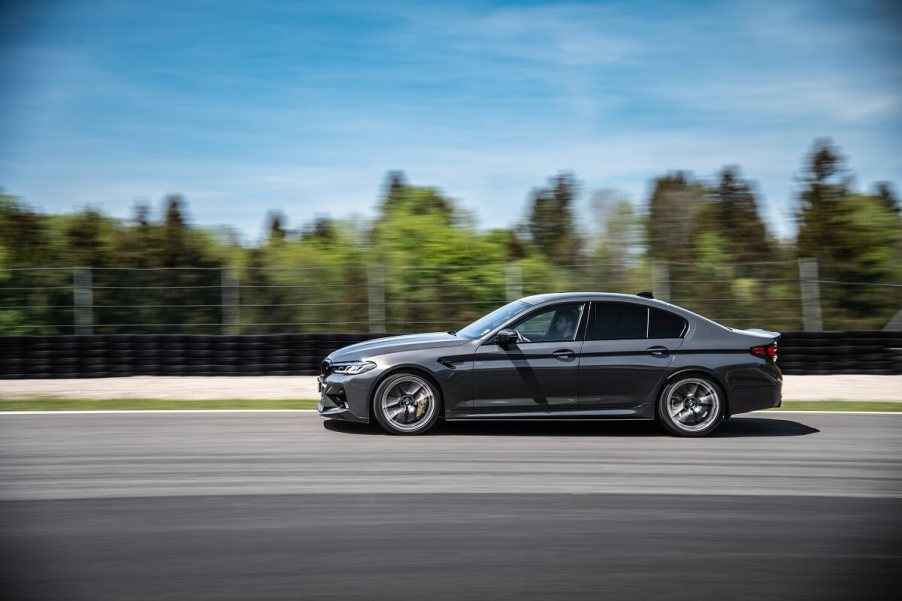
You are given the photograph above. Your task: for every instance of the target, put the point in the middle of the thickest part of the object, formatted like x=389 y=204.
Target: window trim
x=598 y=303
x=581 y=327
x=648 y=310
x=683 y=332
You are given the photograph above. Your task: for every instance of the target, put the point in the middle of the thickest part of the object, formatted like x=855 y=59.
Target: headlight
x=352 y=367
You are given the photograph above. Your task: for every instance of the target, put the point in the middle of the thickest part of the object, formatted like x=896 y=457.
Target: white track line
x=150 y=411
x=812 y=412
x=117 y=411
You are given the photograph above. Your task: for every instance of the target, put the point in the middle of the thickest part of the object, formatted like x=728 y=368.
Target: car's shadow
x=737 y=427
x=743 y=426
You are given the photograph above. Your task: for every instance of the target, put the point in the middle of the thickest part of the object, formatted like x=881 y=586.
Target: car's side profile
x=553 y=356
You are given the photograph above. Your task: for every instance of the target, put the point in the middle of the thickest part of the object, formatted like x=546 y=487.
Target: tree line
x=431 y=263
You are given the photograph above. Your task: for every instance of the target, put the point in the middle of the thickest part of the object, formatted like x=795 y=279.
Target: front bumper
x=344 y=397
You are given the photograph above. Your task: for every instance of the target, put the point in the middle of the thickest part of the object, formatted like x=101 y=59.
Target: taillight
x=765 y=352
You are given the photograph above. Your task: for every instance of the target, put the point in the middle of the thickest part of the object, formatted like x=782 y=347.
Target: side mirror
x=506 y=338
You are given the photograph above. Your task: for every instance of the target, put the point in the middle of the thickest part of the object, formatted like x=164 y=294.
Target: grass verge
x=61 y=404
x=839 y=406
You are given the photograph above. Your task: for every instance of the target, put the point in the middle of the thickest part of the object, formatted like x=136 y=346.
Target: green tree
x=439 y=270
x=672 y=211
x=25 y=235
x=395 y=183
x=90 y=238
x=866 y=249
x=321 y=229
x=276 y=228
x=820 y=200
x=618 y=247
x=886 y=194
x=856 y=238
x=11 y=318
x=318 y=279
x=37 y=298
x=736 y=219
x=550 y=225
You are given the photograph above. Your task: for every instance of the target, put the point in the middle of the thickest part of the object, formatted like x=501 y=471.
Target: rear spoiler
x=760 y=332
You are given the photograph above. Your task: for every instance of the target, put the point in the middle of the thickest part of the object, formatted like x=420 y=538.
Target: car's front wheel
x=691 y=406
x=406 y=403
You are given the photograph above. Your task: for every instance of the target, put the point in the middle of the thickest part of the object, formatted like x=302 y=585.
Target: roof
x=538 y=299
x=695 y=318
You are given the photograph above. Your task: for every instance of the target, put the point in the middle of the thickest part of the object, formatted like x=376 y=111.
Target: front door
x=539 y=374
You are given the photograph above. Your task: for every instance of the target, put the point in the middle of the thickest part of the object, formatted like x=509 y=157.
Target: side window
x=554 y=324
x=663 y=324
x=618 y=321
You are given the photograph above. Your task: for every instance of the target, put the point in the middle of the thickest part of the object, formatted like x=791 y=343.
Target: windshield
x=486 y=324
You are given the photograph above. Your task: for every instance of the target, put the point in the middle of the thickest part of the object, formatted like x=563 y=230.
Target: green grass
x=839 y=406
x=62 y=404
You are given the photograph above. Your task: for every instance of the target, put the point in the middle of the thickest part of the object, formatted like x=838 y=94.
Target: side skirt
x=641 y=412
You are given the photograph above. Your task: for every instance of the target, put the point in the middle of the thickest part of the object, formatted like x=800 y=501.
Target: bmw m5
x=559 y=356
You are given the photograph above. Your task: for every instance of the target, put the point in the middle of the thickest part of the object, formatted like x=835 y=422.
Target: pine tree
x=820 y=201
x=737 y=219
x=276 y=228
x=672 y=213
x=551 y=225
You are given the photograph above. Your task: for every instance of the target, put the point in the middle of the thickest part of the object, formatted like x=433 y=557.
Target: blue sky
x=303 y=107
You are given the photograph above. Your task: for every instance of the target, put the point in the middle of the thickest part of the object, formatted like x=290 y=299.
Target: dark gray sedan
x=559 y=356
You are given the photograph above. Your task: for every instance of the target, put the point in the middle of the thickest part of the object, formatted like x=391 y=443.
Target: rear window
x=663 y=324
x=617 y=321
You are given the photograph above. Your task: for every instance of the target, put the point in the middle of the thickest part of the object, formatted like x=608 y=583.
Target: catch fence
x=351 y=298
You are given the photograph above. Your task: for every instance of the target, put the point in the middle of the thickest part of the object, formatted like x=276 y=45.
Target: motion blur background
x=279 y=167
x=223 y=188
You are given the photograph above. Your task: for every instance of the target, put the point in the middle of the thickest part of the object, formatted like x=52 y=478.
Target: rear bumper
x=752 y=390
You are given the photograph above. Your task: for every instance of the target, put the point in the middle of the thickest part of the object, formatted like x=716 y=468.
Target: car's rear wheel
x=406 y=403
x=691 y=406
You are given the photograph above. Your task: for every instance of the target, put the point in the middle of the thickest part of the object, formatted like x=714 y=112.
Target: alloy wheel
x=692 y=404
x=407 y=403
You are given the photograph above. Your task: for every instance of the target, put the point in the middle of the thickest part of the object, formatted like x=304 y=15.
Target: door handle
x=563 y=354
x=658 y=351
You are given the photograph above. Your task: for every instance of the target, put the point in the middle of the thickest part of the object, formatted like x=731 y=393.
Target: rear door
x=626 y=353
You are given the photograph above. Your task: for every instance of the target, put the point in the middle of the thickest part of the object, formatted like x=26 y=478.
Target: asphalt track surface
x=286 y=506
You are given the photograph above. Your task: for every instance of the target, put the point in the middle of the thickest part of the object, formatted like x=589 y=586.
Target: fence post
x=231 y=301
x=513 y=282
x=83 y=298
x=895 y=323
x=660 y=280
x=376 y=298
x=812 y=319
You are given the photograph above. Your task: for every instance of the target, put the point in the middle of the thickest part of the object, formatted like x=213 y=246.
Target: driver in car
x=563 y=326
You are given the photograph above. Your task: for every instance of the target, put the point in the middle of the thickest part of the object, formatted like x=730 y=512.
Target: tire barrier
x=167 y=355
x=809 y=353
x=301 y=354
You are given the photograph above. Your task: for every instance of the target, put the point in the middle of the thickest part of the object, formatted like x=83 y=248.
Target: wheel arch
x=695 y=371
x=406 y=368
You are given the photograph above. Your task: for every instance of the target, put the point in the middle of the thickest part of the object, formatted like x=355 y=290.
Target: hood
x=395 y=344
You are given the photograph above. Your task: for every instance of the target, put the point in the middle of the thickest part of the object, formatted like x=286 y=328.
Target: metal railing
x=784 y=296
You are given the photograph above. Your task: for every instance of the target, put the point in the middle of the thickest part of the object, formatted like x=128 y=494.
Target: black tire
x=683 y=407
x=407 y=403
